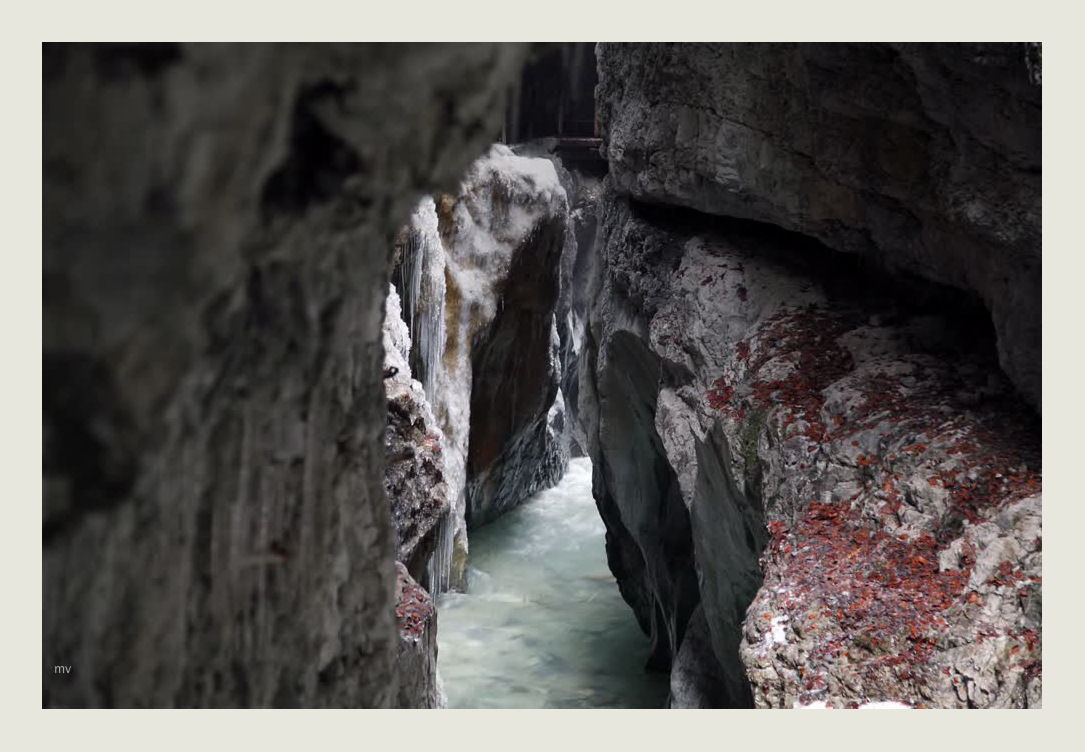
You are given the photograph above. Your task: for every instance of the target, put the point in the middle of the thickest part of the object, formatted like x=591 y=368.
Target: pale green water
x=542 y=624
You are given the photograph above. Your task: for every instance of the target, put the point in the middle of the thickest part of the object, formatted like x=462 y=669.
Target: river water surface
x=542 y=624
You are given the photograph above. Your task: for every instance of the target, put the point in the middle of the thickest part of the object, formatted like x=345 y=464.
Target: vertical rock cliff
x=218 y=226
x=480 y=272
x=480 y=287
x=819 y=486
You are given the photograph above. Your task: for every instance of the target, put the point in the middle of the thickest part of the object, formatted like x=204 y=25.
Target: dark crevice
x=318 y=162
x=866 y=281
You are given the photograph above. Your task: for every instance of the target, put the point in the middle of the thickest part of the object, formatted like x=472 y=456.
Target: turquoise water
x=542 y=624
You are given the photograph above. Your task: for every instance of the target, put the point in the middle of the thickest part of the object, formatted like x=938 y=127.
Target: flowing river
x=542 y=624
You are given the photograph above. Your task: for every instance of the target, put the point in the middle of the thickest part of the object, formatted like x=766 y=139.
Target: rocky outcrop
x=923 y=158
x=747 y=392
x=584 y=191
x=511 y=219
x=218 y=225
x=479 y=275
x=644 y=492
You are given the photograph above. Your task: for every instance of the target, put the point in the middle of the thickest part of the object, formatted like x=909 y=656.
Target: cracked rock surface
x=846 y=485
x=924 y=158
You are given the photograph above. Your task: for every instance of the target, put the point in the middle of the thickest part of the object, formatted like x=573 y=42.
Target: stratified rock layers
x=217 y=238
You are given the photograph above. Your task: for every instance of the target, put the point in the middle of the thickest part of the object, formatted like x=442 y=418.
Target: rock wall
x=819 y=487
x=584 y=191
x=414 y=473
x=583 y=187
x=923 y=158
x=742 y=392
x=218 y=225
x=511 y=219
x=481 y=268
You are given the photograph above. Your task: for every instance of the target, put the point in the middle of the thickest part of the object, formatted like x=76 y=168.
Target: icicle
x=439 y=567
x=421 y=284
x=410 y=275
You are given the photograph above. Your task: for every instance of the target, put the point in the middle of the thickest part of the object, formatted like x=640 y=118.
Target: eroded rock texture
x=510 y=225
x=414 y=474
x=819 y=458
x=479 y=274
x=895 y=466
x=923 y=158
x=218 y=222
x=583 y=187
x=422 y=512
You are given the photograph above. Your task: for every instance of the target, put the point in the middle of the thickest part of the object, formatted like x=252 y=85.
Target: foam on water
x=542 y=623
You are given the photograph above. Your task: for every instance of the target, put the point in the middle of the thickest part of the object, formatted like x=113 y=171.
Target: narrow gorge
x=569 y=375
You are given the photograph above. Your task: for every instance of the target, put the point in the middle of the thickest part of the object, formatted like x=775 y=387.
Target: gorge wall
x=219 y=225
x=819 y=486
x=923 y=158
x=296 y=343
x=479 y=272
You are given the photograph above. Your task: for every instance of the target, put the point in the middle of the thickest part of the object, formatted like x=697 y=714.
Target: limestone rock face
x=584 y=189
x=518 y=205
x=218 y=225
x=479 y=275
x=923 y=158
x=585 y=192
x=696 y=678
x=828 y=465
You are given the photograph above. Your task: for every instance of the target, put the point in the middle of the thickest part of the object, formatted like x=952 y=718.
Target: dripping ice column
x=422 y=288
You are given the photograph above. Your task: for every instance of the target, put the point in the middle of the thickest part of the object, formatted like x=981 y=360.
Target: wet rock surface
x=870 y=452
x=923 y=158
x=218 y=222
x=696 y=679
x=414 y=481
